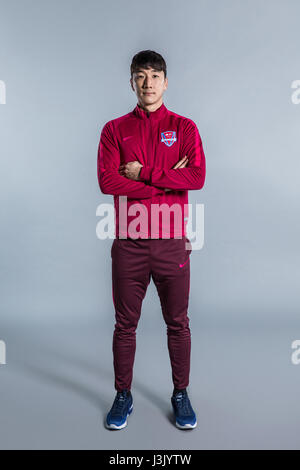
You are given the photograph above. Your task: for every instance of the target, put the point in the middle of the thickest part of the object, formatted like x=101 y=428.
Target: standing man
x=148 y=160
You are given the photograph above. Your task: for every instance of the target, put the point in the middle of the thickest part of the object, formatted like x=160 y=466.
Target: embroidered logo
x=168 y=137
x=128 y=137
x=181 y=265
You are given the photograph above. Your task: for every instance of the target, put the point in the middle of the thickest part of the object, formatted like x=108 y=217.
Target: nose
x=147 y=83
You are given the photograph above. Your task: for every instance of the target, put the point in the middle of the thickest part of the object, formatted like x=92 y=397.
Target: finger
x=185 y=161
x=177 y=164
x=180 y=162
x=182 y=165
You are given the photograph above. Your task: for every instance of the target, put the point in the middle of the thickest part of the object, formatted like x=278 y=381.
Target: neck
x=151 y=107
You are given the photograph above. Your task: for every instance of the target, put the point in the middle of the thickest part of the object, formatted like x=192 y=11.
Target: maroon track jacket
x=157 y=140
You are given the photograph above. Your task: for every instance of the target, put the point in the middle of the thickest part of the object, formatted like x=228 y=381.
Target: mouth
x=148 y=93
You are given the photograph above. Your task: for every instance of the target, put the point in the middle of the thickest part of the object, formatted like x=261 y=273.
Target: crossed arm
x=140 y=182
x=109 y=178
x=133 y=169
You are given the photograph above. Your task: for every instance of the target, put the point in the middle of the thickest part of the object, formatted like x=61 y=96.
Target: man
x=150 y=158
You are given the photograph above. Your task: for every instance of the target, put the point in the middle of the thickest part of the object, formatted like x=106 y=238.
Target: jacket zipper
x=150 y=133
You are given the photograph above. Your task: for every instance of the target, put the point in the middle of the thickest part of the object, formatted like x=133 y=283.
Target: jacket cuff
x=145 y=174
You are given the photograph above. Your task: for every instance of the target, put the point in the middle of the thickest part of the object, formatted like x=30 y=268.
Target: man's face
x=149 y=86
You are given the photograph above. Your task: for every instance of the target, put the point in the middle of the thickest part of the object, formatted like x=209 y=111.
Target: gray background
x=230 y=68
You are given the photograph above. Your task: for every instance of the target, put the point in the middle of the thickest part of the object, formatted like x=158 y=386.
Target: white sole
x=186 y=426
x=115 y=426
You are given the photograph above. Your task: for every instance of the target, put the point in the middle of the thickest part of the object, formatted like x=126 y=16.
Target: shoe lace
x=119 y=402
x=183 y=403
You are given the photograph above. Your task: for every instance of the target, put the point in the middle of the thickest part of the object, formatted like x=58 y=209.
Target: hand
x=180 y=164
x=131 y=170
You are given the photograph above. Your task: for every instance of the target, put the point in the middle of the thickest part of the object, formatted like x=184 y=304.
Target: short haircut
x=148 y=59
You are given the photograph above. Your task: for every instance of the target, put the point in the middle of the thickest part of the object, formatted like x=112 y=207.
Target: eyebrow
x=152 y=70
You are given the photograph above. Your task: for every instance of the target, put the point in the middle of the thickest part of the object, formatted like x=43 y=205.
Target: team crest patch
x=168 y=137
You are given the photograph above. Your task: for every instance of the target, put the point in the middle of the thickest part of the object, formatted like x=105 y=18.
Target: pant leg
x=170 y=268
x=130 y=279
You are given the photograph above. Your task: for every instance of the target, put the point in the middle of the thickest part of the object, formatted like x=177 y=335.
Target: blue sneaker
x=184 y=413
x=121 y=408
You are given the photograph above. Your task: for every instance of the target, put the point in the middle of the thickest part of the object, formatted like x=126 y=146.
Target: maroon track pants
x=133 y=264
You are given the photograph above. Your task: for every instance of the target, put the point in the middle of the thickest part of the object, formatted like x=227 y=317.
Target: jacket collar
x=158 y=114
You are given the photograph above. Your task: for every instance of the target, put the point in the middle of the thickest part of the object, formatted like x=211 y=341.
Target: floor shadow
x=39 y=368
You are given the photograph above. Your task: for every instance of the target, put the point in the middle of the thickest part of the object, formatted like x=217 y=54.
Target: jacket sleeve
x=190 y=177
x=109 y=178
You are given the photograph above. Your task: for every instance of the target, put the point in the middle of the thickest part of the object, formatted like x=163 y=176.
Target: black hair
x=148 y=59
